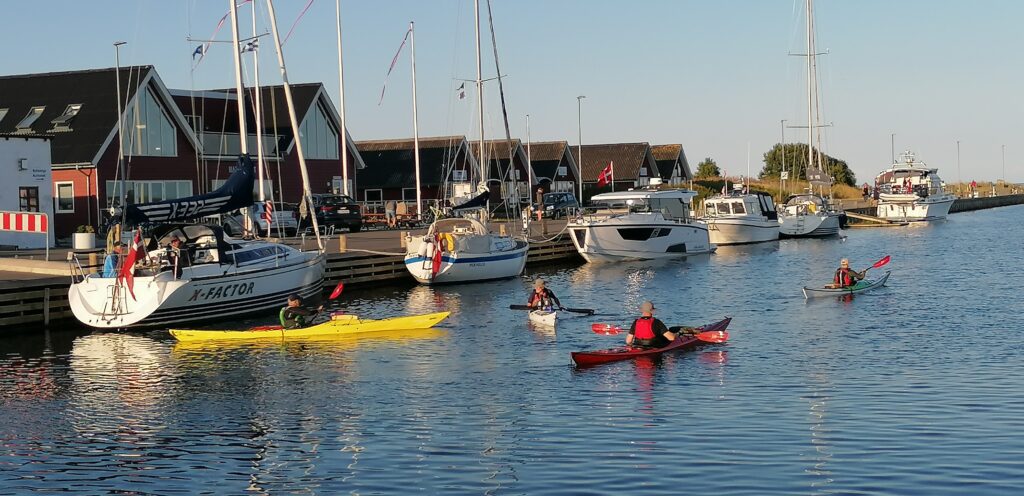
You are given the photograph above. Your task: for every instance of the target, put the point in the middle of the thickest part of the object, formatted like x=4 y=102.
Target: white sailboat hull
x=468 y=267
x=808 y=225
x=205 y=292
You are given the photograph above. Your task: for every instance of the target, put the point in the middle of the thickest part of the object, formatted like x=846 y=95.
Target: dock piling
x=342 y=243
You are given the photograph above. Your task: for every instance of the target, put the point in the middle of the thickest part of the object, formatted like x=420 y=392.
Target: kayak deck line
x=860 y=287
x=591 y=358
x=338 y=327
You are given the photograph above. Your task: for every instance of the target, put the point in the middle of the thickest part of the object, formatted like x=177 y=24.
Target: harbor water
x=910 y=389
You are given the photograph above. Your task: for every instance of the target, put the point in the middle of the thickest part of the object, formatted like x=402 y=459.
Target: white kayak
x=544 y=317
x=861 y=286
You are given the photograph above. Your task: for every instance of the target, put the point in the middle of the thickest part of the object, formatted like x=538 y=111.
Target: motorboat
x=741 y=217
x=639 y=225
x=463 y=250
x=911 y=191
x=224 y=277
x=808 y=215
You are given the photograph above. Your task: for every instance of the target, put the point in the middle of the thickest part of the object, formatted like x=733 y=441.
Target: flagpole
x=529 y=160
x=611 y=166
x=415 y=122
x=258 y=101
x=341 y=108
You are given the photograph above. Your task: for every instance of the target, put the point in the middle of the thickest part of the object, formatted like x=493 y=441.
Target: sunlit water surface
x=912 y=389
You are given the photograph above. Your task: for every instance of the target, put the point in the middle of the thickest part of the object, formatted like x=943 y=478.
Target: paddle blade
x=337 y=291
x=607 y=329
x=881 y=262
x=588 y=311
x=713 y=336
x=520 y=307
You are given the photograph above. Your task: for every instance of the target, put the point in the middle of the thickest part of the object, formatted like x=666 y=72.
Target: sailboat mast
x=258 y=102
x=306 y=191
x=810 y=91
x=480 y=91
x=529 y=161
x=341 y=107
x=415 y=122
x=239 y=88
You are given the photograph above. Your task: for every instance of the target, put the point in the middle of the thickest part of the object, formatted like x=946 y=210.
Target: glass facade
x=148 y=130
x=319 y=139
x=148 y=191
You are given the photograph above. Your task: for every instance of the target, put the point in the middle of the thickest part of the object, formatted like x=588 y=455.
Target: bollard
x=404 y=242
x=502 y=230
x=94 y=261
x=342 y=243
x=544 y=225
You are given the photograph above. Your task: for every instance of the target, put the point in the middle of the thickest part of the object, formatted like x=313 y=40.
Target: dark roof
x=666 y=156
x=497 y=153
x=628 y=158
x=547 y=156
x=94 y=89
x=391 y=163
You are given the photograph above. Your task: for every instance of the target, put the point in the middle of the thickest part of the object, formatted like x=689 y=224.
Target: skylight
x=64 y=120
x=26 y=123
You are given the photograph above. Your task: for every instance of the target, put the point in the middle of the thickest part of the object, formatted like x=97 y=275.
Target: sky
x=714 y=75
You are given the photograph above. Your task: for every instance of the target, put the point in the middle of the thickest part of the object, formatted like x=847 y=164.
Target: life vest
x=544 y=297
x=290 y=320
x=644 y=328
x=843 y=278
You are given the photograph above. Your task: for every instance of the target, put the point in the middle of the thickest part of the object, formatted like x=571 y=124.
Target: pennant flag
x=393 y=62
x=201 y=51
x=296 y=23
x=198 y=51
x=606 y=176
x=461 y=91
x=128 y=268
x=251 y=46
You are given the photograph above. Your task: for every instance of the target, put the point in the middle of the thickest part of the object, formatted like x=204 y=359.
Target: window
x=319 y=139
x=148 y=191
x=518 y=178
x=196 y=122
x=33 y=114
x=147 y=129
x=3 y=113
x=409 y=194
x=28 y=198
x=643 y=172
x=737 y=208
x=458 y=175
x=373 y=195
x=63 y=121
x=65 y=200
x=562 y=171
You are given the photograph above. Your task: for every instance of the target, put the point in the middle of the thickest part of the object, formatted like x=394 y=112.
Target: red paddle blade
x=713 y=336
x=881 y=262
x=607 y=329
x=337 y=291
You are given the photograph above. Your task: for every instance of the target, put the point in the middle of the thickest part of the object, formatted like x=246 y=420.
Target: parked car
x=285 y=217
x=557 y=205
x=335 y=210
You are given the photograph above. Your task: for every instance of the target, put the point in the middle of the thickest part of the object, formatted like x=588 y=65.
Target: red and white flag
x=607 y=175
x=268 y=211
x=128 y=268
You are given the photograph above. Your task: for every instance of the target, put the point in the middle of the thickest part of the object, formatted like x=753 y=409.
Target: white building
x=26 y=185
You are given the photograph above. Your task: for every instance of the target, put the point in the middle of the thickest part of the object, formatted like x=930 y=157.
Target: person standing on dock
x=543 y=298
x=295 y=316
x=112 y=260
x=390 y=208
x=540 y=203
x=647 y=331
x=845 y=276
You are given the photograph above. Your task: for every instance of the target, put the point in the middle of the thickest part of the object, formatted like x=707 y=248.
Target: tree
x=708 y=168
x=796 y=163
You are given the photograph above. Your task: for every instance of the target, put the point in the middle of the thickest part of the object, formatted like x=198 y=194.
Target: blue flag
x=198 y=51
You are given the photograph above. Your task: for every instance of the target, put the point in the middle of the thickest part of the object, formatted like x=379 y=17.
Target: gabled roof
x=95 y=125
x=391 y=163
x=628 y=158
x=547 y=156
x=667 y=157
x=497 y=153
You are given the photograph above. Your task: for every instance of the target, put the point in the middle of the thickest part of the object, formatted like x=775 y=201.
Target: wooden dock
x=868 y=220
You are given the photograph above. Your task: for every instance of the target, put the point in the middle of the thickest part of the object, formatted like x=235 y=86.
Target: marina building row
x=60 y=144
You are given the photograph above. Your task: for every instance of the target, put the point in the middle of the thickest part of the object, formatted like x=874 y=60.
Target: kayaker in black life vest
x=543 y=298
x=295 y=316
x=647 y=331
x=845 y=276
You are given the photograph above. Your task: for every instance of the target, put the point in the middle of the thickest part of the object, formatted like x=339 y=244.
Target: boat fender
x=427 y=250
x=424 y=246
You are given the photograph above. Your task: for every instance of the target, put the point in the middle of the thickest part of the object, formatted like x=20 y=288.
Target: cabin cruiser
x=220 y=277
x=463 y=250
x=911 y=191
x=639 y=225
x=740 y=218
x=808 y=215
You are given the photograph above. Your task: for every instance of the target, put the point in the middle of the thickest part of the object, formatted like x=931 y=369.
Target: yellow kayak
x=340 y=326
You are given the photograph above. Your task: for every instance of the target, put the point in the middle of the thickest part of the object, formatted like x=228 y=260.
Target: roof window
x=63 y=121
x=3 y=113
x=26 y=124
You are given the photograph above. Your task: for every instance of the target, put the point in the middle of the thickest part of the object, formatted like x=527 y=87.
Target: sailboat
x=463 y=249
x=810 y=214
x=223 y=277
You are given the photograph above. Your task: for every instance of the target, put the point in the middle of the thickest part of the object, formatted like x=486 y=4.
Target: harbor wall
x=971 y=204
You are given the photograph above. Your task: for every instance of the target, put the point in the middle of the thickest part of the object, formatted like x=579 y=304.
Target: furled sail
x=818 y=177
x=475 y=203
x=234 y=194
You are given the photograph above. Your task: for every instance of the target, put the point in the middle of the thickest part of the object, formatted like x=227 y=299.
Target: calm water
x=912 y=389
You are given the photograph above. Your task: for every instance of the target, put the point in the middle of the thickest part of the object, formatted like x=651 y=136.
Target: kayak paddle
x=337 y=291
x=587 y=311
x=706 y=336
x=879 y=263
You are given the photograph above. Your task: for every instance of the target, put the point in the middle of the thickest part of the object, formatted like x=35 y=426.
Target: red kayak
x=589 y=358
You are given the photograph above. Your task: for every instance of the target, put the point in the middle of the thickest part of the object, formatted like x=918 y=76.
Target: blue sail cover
x=475 y=203
x=234 y=194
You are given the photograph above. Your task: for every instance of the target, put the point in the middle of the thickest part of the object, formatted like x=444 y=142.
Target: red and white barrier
x=27 y=222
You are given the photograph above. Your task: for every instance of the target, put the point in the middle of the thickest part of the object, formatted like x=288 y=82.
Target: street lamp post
x=959 y=179
x=892 y=146
x=579 y=150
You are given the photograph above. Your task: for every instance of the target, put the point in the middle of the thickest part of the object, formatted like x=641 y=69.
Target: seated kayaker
x=295 y=316
x=845 y=276
x=542 y=298
x=647 y=331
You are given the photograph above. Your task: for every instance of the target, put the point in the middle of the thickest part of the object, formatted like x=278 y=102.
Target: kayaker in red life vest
x=647 y=331
x=845 y=276
x=543 y=298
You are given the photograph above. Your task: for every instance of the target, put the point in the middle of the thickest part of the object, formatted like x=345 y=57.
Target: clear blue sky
x=712 y=75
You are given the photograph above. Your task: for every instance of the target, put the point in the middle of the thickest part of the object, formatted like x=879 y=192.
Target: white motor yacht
x=640 y=225
x=911 y=191
x=741 y=218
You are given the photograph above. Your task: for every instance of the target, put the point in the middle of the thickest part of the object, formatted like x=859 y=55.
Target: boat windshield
x=671 y=208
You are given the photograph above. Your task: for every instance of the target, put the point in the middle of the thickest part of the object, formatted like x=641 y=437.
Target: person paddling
x=647 y=331
x=543 y=298
x=845 y=276
x=295 y=316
